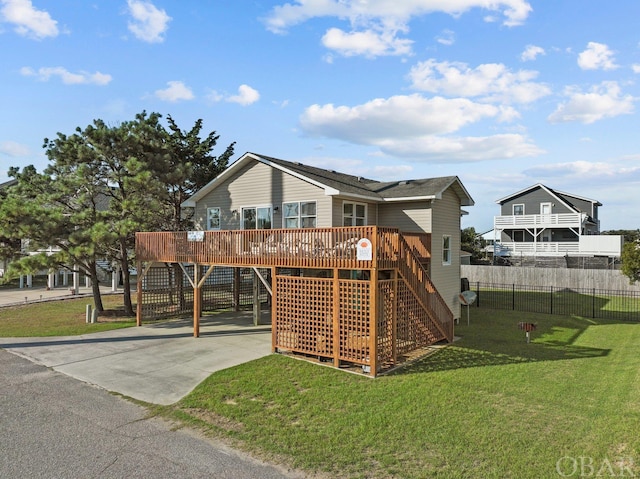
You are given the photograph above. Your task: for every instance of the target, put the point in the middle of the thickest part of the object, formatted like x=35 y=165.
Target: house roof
x=7 y=184
x=561 y=196
x=335 y=183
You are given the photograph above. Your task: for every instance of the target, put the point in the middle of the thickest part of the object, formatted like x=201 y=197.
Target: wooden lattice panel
x=385 y=322
x=303 y=315
x=354 y=320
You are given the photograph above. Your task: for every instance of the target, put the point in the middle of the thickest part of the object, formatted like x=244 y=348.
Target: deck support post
x=336 y=318
x=236 y=289
x=140 y=276
x=274 y=301
x=197 y=300
x=374 y=307
x=256 y=298
x=394 y=319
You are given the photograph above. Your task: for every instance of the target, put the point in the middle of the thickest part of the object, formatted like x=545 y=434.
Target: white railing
x=546 y=248
x=567 y=220
x=591 y=245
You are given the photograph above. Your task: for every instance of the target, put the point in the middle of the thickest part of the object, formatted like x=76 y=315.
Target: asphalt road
x=53 y=426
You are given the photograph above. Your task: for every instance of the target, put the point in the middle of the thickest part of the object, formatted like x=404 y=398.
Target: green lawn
x=488 y=406
x=61 y=318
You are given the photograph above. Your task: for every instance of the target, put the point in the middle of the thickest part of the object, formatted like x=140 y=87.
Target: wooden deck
x=332 y=297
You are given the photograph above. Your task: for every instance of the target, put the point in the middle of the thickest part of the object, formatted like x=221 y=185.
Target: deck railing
x=296 y=248
x=550 y=248
x=566 y=220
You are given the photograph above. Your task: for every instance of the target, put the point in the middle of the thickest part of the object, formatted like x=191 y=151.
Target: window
x=446 y=249
x=518 y=210
x=257 y=218
x=213 y=218
x=518 y=236
x=301 y=214
x=354 y=214
x=545 y=208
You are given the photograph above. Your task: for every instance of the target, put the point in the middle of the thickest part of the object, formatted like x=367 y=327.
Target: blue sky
x=502 y=93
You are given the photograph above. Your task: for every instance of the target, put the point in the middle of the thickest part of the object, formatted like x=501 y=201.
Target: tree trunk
x=126 y=278
x=95 y=287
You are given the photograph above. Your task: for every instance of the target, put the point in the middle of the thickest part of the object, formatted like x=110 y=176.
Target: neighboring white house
x=540 y=221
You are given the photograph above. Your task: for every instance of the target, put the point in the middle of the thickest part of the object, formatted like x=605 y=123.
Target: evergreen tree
x=102 y=185
x=631 y=261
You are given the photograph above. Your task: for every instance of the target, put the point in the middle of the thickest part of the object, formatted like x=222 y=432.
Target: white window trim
x=300 y=215
x=257 y=207
x=209 y=211
x=513 y=209
x=546 y=203
x=446 y=261
x=366 y=211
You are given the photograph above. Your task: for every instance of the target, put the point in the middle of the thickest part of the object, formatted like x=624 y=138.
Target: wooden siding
x=447 y=277
x=258 y=184
x=413 y=217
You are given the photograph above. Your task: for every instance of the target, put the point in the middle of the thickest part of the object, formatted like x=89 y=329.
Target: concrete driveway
x=156 y=363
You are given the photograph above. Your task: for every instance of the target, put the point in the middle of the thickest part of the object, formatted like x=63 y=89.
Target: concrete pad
x=156 y=363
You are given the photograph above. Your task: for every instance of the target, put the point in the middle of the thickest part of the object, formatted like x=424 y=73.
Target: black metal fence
x=589 y=303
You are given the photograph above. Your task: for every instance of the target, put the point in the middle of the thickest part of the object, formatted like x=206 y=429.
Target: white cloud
x=368 y=43
x=489 y=81
x=149 y=23
x=176 y=91
x=246 y=96
x=28 y=21
x=636 y=68
x=585 y=171
x=465 y=149
x=602 y=101
x=298 y=11
x=447 y=37
x=597 y=56
x=413 y=126
x=67 y=77
x=214 y=96
x=375 y=24
x=11 y=148
x=531 y=53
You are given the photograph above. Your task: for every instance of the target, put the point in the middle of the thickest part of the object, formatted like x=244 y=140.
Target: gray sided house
x=260 y=192
x=546 y=222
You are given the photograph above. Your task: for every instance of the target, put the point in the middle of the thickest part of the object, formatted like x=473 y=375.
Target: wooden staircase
x=437 y=322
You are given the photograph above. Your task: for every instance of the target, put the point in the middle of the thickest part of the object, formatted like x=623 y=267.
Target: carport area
x=157 y=363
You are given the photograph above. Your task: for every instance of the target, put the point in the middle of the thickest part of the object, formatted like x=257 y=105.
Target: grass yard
x=488 y=406
x=61 y=318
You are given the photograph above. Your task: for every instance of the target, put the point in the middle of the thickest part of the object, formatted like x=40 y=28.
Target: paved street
x=53 y=426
